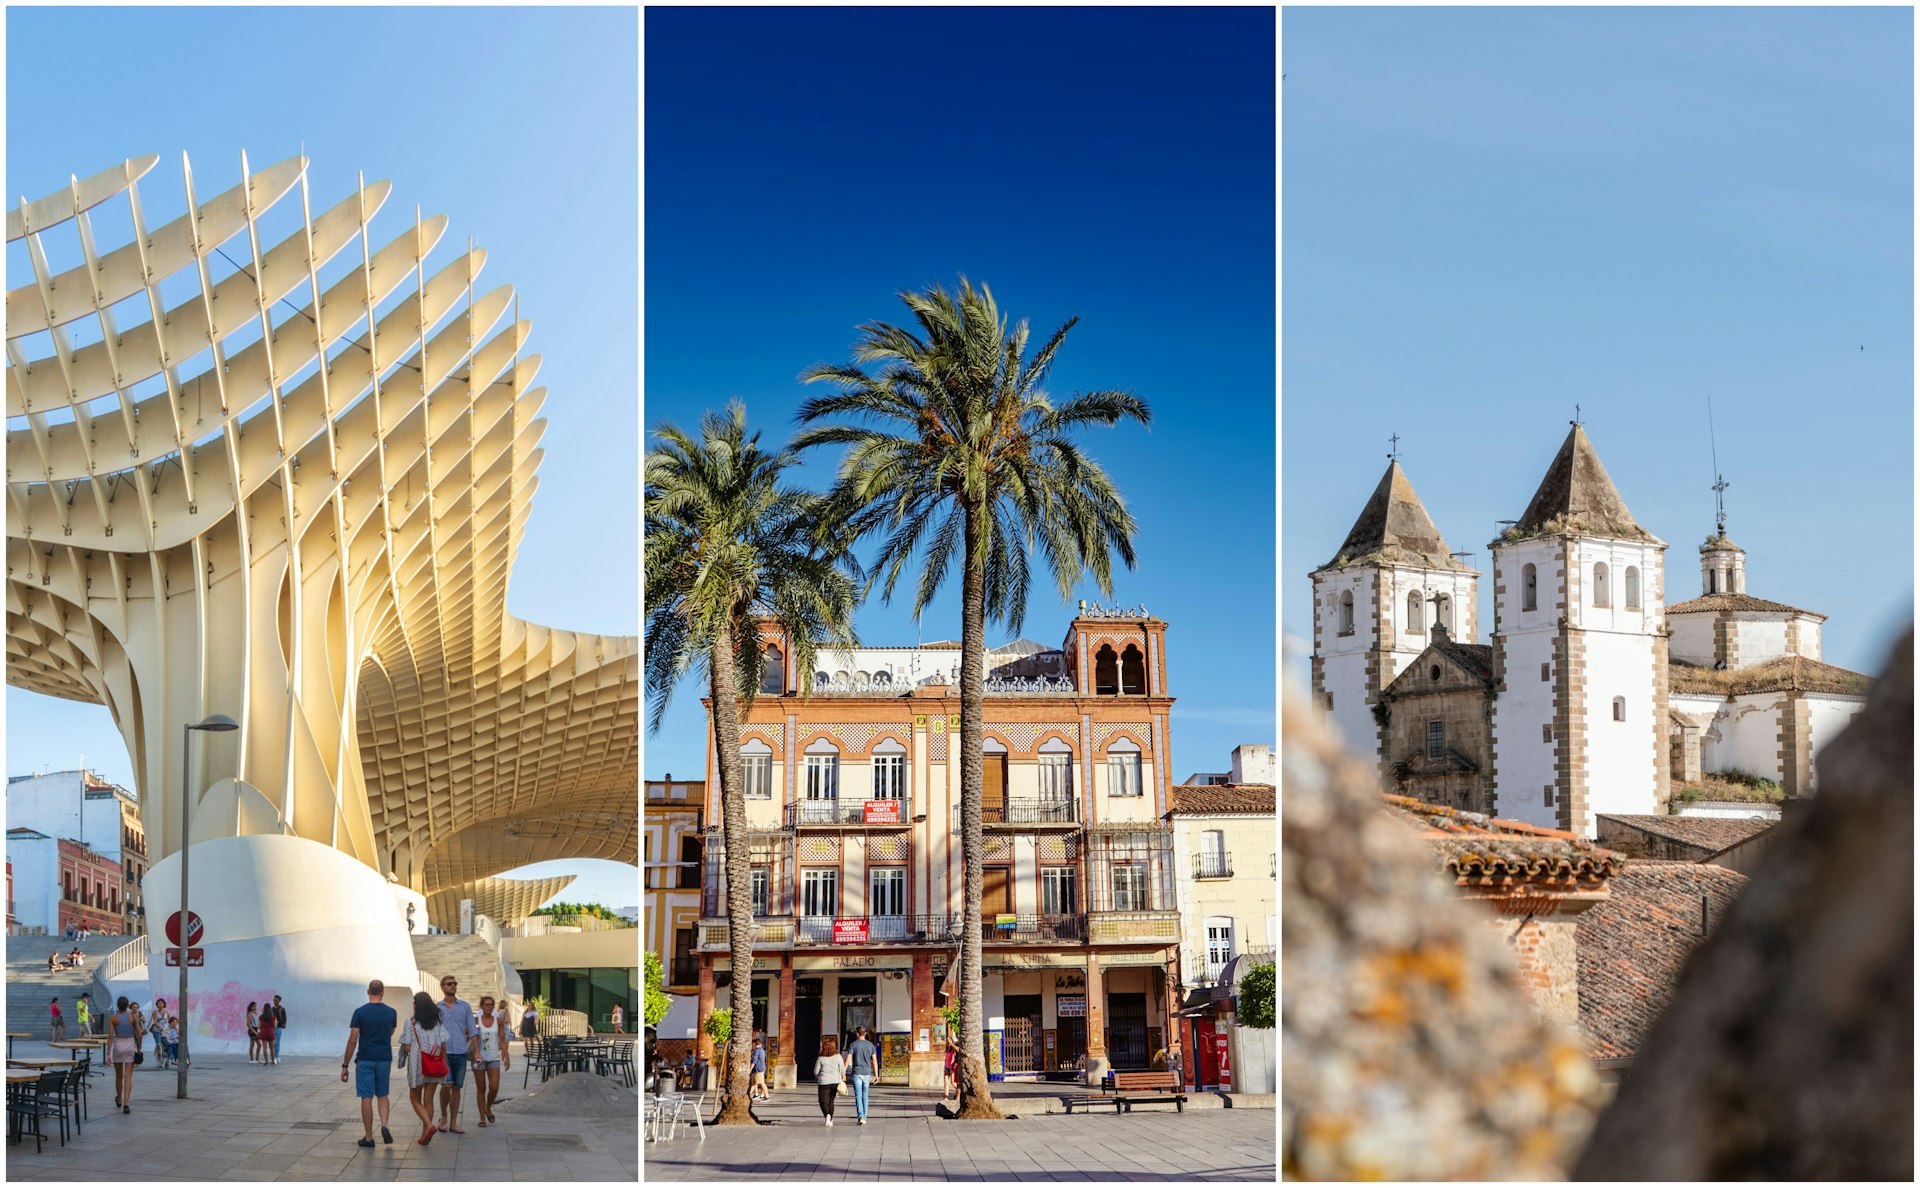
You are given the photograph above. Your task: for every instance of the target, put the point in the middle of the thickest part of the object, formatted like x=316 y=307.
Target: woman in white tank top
x=494 y=1057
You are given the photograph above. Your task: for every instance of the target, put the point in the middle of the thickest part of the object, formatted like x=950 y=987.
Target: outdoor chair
x=620 y=1062
x=664 y=1110
x=47 y=1098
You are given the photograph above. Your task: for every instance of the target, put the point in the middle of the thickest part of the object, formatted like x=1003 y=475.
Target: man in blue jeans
x=863 y=1064
x=463 y=1042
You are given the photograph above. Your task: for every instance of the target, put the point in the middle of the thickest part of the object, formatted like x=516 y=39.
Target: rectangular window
x=820 y=891
x=1056 y=778
x=1129 y=887
x=1123 y=775
x=887 y=891
x=889 y=777
x=761 y=887
x=823 y=777
x=1546 y=732
x=1549 y=789
x=759 y=776
x=1219 y=944
x=1436 y=739
x=1546 y=672
x=1059 y=891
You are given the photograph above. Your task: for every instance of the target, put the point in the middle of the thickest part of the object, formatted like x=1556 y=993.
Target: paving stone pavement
x=296 y=1121
x=904 y=1139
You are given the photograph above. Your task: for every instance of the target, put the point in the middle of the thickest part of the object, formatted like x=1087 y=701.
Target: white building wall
x=1809 y=637
x=1749 y=729
x=1026 y=876
x=1622 y=757
x=893 y=1004
x=1343 y=658
x=56 y=804
x=1692 y=638
x=36 y=883
x=1759 y=640
x=1526 y=764
x=1829 y=715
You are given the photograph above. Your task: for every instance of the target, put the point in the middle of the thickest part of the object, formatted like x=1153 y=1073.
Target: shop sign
x=1035 y=961
x=881 y=812
x=1071 y=1006
x=849 y=930
x=724 y=964
x=1070 y=981
x=857 y=962
x=1107 y=959
x=1220 y=1055
x=1006 y=921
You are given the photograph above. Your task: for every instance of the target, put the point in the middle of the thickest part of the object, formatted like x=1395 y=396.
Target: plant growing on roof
x=953 y=447
x=730 y=546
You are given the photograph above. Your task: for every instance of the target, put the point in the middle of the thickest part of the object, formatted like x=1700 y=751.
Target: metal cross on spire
x=1395 y=452
x=1719 y=480
x=1576 y=414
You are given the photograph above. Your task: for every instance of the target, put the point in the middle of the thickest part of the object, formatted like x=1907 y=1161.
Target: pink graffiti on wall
x=222 y=1013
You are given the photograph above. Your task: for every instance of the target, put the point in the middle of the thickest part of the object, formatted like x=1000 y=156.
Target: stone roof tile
x=1712 y=834
x=1223 y=798
x=1735 y=602
x=1578 y=498
x=1796 y=674
x=1395 y=529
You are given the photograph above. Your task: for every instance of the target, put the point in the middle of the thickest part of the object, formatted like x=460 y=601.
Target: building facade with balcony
x=671 y=848
x=102 y=816
x=853 y=800
x=1224 y=837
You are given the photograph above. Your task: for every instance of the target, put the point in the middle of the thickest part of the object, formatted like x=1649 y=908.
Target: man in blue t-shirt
x=863 y=1064
x=371 y=1033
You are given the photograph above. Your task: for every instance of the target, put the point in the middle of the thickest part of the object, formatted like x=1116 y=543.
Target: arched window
x=1619 y=709
x=1414 y=626
x=1106 y=670
x=773 y=676
x=1713 y=581
x=1133 y=671
x=1443 y=612
x=1529 y=588
x=1346 y=612
x=1633 y=587
x=1600 y=594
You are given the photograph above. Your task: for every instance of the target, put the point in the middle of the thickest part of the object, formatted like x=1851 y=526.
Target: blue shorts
x=456 y=1070
x=370 y=1078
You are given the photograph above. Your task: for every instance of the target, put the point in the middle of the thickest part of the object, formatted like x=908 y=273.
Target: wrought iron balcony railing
x=939 y=929
x=1121 y=927
x=892 y=811
x=1213 y=866
x=1026 y=810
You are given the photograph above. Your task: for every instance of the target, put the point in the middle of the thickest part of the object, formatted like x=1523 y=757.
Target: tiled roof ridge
x=1737 y=602
x=1791 y=673
x=1215 y=799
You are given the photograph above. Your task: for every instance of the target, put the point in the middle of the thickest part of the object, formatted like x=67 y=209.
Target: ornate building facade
x=853 y=797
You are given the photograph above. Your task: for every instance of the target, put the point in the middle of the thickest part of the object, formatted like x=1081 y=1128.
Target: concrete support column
x=703 y=1043
x=925 y=1070
x=784 y=1076
x=1097 y=1062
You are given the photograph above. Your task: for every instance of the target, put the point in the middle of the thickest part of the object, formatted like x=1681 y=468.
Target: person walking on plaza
x=757 y=1089
x=83 y=1011
x=424 y=1048
x=269 y=1028
x=121 y=1053
x=59 y=1024
x=619 y=1019
x=463 y=1042
x=494 y=1057
x=279 y=1026
x=157 y=1029
x=253 y=1033
x=863 y=1064
x=827 y=1072
x=370 y=1056
x=529 y=1022
x=950 y=1081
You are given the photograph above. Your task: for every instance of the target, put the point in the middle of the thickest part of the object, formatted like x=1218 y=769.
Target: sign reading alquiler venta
x=849 y=930
x=881 y=812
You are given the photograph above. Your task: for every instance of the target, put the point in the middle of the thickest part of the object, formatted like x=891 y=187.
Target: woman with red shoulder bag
x=423 y=1049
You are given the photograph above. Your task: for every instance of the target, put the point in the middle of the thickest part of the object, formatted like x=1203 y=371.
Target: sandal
x=428 y=1137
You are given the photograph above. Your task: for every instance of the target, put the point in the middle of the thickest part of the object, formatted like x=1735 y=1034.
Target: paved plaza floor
x=904 y=1139
x=296 y=1121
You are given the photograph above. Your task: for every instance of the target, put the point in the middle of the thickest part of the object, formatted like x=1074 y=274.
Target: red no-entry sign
x=195 y=928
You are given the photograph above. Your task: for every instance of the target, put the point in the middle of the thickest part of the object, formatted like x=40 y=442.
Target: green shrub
x=655 y=1001
x=1255 y=998
x=719 y=1027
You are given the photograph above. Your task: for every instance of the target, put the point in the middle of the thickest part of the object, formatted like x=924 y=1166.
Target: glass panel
x=823 y=777
x=759 y=772
x=889 y=777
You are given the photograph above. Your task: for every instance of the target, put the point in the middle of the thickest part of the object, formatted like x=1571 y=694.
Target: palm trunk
x=734 y=1106
x=976 y=1099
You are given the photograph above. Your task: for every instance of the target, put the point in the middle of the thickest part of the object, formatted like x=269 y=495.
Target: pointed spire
x=1577 y=497
x=1395 y=529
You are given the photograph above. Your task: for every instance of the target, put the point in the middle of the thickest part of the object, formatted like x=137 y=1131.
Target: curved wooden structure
x=297 y=501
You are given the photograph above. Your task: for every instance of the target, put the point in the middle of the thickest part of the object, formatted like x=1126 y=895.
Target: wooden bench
x=1131 y=1088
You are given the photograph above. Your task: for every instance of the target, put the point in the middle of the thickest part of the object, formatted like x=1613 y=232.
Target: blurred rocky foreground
x=1410 y=1052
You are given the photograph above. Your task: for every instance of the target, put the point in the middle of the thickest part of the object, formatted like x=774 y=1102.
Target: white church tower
x=1375 y=603
x=1579 y=653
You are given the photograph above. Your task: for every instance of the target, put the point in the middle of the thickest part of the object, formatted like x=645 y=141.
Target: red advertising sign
x=1220 y=1050
x=196 y=958
x=849 y=930
x=881 y=812
x=194 y=927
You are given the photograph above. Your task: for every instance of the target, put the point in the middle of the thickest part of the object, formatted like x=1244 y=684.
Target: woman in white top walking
x=494 y=1056
x=424 y=1037
x=828 y=1071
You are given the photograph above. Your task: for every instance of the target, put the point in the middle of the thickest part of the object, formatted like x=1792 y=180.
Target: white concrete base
x=284 y=916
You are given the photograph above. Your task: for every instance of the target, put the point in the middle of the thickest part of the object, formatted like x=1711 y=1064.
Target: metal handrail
x=122 y=959
x=1027 y=810
x=1213 y=866
x=845 y=810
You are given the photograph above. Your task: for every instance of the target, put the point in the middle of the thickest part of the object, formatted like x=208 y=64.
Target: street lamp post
x=218 y=723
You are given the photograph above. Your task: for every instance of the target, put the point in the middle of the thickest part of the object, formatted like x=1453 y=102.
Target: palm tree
x=728 y=546
x=952 y=442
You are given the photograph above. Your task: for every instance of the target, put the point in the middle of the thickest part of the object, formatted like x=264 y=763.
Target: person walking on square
x=529 y=1022
x=124 y=1033
x=83 y=1011
x=279 y=1026
x=492 y=1059
x=253 y=1033
x=863 y=1065
x=157 y=1029
x=619 y=1019
x=463 y=1043
x=424 y=1039
x=827 y=1071
x=757 y=1089
x=269 y=1029
x=59 y=1023
x=370 y=1056
x=950 y=1080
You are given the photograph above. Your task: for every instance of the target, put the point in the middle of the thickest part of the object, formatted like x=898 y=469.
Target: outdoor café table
x=16 y=1080
x=41 y=1062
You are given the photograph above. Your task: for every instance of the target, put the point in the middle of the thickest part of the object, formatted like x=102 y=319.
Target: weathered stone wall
x=1546 y=962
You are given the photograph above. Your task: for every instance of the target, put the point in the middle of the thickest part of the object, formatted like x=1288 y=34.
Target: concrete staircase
x=468 y=958
x=29 y=985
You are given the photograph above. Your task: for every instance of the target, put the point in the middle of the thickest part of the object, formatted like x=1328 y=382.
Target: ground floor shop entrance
x=1023 y=1034
x=1127 y=1031
x=806 y=1026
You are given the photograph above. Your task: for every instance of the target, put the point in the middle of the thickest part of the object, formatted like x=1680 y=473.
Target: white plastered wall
x=1527 y=764
x=1830 y=714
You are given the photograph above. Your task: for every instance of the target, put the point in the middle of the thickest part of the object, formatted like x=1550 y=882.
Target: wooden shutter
x=997 y=893
x=993 y=797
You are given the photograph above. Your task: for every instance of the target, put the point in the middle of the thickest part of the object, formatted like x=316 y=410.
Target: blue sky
x=1493 y=214
x=520 y=125
x=803 y=167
